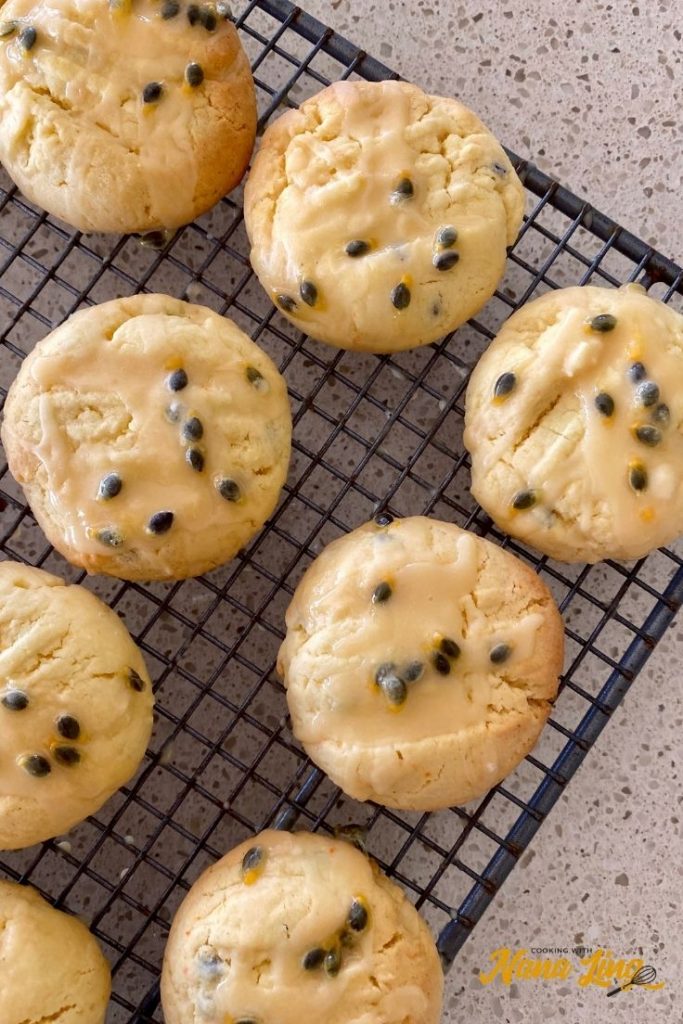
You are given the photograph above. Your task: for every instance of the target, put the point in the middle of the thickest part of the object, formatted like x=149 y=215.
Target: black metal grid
x=369 y=432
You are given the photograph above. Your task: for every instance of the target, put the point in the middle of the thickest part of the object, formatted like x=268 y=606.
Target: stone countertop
x=591 y=92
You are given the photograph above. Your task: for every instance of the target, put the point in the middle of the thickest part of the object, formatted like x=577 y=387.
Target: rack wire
x=369 y=432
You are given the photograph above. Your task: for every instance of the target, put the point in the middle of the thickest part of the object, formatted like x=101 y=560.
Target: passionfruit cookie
x=379 y=216
x=130 y=115
x=151 y=437
x=291 y=927
x=75 y=706
x=574 y=420
x=52 y=967
x=420 y=662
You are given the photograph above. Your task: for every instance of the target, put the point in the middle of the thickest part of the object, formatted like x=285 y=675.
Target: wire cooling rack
x=369 y=432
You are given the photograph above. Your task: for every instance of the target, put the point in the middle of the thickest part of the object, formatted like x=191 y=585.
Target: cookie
x=52 y=967
x=298 y=927
x=151 y=437
x=75 y=705
x=123 y=116
x=420 y=662
x=379 y=216
x=574 y=420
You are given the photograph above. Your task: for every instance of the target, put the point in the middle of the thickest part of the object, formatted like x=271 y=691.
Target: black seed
x=152 y=92
x=394 y=689
x=498 y=168
x=110 y=486
x=170 y=9
x=446 y=237
x=246 y=1020
x=160 y=522
x=662 y=413
x=381 y=593
x=441 y=663
x=66 y=756
x=504 y=385
x=37 y=765
x=173 y=412
x=253 y=375
x=358 y=916
x=400 y=296
x=445 y=260
x=313 y=959
x=404 y=190
x=637 y=477
x=135 y=681
x=228 y=489
x=308 y=292
x=436 y=308
x=332 y=962
x=386 y=669
x=604 y=403
x=346 y=937
x=194 y=74
x=195 y=459
x=68 y=727
x=207 y=18
x=413 y=671
x=155 y=239
x=110 y=537
x=637 y=372
x=357 y=248
x=15 y=700
x=252 y=859
x=193 y=14
x=286 y=302
x=449 y=648
x=27 y=38
x=524 y=500
x=176 y=381
x=7 y=28
x=647 y=393
x=500 y=653
x=384 y=519
x=193 y=429
x=603 y=322
x=648 y=435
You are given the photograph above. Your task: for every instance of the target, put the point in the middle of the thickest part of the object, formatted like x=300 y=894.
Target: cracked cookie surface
x=75 y=705
x=419 y=662
x=151 y=437
x=105 y=120
x=574 y=420
x=379 y=216
x=51 y=967
x=297 y=926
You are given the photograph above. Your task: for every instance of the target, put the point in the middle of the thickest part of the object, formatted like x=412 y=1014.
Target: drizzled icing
x=330 y=665
x=102 y=394
x=549 y=436
x=390 y=168
x=88 y=71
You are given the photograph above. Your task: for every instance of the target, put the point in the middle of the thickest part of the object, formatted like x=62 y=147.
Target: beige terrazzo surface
x=591 y=91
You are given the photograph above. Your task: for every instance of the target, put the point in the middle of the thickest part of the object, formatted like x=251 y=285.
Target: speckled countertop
x=591 y=91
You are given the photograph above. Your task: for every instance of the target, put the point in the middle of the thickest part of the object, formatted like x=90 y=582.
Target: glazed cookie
x=52 y=967
x=124 y=116
x=574 y=419
x=379 y=216
x=151 y=437
x=298 y=927
x=419 y=662
x=75 y=705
